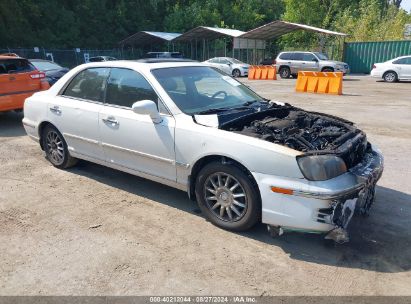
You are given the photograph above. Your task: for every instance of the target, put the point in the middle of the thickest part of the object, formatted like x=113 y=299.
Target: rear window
x=285 y=56
x=9 y=66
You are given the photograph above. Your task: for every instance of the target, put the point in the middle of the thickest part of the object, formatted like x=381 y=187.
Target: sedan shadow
x=11 y=125
x=381 y=242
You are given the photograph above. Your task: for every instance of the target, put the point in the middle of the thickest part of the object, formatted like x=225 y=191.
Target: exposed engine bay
x=304 y=131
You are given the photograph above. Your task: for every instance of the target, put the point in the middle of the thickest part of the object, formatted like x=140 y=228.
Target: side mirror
x=315 y=60
x=147 y=107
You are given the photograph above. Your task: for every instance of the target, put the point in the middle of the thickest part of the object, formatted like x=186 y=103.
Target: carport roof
x=278 y=28
x=147 y=38
x=205 y=32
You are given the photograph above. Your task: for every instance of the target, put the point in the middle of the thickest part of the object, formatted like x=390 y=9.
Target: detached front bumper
x=320 y=206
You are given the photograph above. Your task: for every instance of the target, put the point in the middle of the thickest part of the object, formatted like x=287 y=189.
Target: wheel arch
x=388 y=71
x=203 y=161
x=41 y=127
x=284 y=66
x=327 y=67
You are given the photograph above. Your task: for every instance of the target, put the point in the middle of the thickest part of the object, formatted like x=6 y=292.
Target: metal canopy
x=278 y=28
x=147 y=38
x=205 y=32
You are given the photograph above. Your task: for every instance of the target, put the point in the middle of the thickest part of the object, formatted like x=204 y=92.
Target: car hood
x=283 y=124
x=332 y=62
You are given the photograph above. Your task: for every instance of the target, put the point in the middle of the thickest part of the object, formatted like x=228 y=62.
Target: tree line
x=103 y=23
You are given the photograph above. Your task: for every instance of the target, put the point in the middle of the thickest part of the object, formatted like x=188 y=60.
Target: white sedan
x=231 y=66
x=243 y=158
x=393 y=70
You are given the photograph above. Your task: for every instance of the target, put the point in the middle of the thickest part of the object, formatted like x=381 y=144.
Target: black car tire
x=390 y=76
x=56 y=148
x=250 y=213
x=236 y=73
x=285 y=72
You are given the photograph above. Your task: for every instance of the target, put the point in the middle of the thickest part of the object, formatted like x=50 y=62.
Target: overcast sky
x=406 y=4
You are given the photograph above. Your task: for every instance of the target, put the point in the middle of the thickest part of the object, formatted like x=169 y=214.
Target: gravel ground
x=91 y=230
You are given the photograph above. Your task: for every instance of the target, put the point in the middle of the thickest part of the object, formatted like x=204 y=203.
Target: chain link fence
x=71 y=57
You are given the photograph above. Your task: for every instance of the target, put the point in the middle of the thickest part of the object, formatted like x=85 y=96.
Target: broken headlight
x=321 y=167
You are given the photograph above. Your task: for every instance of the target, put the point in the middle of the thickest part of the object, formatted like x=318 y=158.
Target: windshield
x=45 y=65
x=233 y=60
x=321 y=56
x=200 y=89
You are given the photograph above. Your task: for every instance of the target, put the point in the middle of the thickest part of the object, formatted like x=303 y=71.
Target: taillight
x=38 y=76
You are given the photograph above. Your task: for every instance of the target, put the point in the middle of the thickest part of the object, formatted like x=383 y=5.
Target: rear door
x=407 y=68
x=75 y=112
x=296 y=62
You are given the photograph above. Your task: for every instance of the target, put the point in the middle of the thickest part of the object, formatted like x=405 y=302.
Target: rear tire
x=285 y=72
x=390 y=76
x=228 y=197
x=56 y=148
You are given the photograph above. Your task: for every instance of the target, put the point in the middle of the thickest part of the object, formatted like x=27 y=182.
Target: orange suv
x=19 y=79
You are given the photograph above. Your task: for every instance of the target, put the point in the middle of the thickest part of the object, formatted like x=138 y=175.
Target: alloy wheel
x=225 y=197
x=55 y=148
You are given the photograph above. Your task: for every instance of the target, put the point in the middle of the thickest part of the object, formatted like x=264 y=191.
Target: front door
x=310 y=62
x=134 y=141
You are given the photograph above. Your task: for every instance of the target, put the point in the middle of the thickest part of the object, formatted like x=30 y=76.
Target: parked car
x=229 y=65
x=290 y=63
x=52 y=70
x=101 y=58
x=19 y=79
x=190 y=126
x=163 y=55
x=393 y=70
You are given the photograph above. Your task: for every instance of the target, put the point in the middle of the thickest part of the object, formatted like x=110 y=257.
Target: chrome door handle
x=111 y=120
x=55 y=109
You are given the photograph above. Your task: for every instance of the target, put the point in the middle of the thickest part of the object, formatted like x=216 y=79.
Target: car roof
x=36 y=59
x=151 y=63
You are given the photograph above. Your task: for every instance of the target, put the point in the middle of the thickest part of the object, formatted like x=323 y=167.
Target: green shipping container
x=362 y=55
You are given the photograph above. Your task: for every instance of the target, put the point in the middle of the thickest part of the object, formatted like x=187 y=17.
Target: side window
x=399 y=61
x=408 y=60
x=125 y=87
x=88 y=84
x=285 y=56
x=308 y=57
x=297 y=56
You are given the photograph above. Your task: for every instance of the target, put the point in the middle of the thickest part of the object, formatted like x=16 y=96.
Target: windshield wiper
x=213 y=111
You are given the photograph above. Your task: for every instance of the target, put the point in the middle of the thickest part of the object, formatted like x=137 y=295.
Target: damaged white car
x=243 y=158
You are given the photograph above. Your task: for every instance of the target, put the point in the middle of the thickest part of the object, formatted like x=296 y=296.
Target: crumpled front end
x=321 y=206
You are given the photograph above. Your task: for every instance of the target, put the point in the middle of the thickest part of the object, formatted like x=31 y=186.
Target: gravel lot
x=91 y=230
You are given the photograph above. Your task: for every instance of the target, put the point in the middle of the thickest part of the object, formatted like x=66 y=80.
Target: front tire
x=236 y=73
x=390 y=76
x=56 y=148
x=228 y=196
